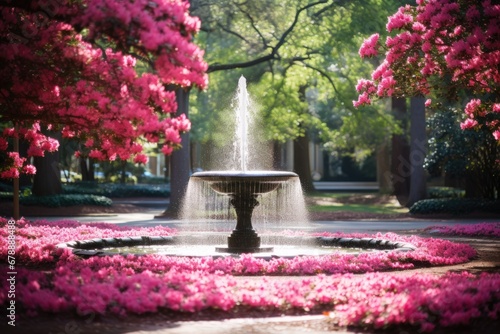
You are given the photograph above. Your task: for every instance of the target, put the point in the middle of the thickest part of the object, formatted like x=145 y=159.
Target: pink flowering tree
x=445 y=48
x=71 y=67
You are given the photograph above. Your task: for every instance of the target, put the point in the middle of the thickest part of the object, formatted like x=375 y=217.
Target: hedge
x=455 y=206
x=66 y=200
x=445 y=192
x=117 y=190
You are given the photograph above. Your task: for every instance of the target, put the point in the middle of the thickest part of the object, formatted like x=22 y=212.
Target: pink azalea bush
x=441 y=47
x=70 y=67
x=152 y=283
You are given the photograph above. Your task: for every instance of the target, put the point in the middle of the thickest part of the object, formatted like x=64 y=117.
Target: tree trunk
x=48 y=175
x=301 y=164
x=24 y=179
x=87 y=170
x=400 y=164
x=384 y=168
x=277 y=156
x=180 y=165
x=418 y=185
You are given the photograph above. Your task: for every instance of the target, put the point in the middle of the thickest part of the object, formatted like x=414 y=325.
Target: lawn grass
x=353 y=202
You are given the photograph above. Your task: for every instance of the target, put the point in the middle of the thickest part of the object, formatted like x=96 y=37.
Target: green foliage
x=449 y=146
x=307 y=83
x=6 y=192
x=65 y=200
x=117 y=190
x=455 y=206
x=5 y=195
x=361 y=208
x=445 y=192
x=89 y=193
x=153 y=180
x=463 y=153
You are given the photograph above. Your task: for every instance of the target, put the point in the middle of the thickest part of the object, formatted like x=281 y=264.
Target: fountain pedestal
x=244 y=239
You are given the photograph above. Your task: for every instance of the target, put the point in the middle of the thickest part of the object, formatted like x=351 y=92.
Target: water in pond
x=209 y=250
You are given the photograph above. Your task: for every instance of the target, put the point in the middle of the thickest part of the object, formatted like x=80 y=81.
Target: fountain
x=275 y=195
x=243 y=186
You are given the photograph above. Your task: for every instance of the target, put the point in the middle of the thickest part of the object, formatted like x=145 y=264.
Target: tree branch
x=232 y=33
x=274 y=50
x=221 y=67
x=323 y=74
x=252 y=22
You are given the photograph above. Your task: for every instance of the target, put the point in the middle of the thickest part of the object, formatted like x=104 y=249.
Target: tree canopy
x=300 y=59
x=71 y=66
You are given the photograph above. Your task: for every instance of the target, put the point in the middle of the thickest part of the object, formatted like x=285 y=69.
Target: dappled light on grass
x=354 y=202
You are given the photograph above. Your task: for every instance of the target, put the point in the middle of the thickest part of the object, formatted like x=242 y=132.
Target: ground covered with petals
x=52 y=280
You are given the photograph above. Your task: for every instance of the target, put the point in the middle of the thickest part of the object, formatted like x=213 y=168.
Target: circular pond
x=204 y=244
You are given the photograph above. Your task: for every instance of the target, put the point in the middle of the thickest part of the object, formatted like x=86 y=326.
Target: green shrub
x=455 y=206
x=66 y=200
x=6 y=195
x=129 y=179
x=157 y=180
x=117 y=190
x=445 y=192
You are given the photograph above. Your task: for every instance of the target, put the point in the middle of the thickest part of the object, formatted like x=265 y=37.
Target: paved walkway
x=147 y=218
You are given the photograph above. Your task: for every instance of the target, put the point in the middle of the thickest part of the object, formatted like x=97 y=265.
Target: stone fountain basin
x=203 y=245
x=250 y=182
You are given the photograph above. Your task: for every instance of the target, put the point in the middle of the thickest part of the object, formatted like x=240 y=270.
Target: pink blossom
x=472 y=108
x=365 y=86
x=370 y=46
x=98 y=155
x=89 y=142
x=141 y=159
x=172 y=136
x=4 y=144
x=399 y=20
x=167 y=150
x=496 y=135
x=496 y=107
x=11 y=173
x=29 y=169
x=363 y=99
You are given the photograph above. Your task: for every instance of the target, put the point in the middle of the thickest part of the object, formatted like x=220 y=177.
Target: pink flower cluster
x=57 y=80
x=179 y=61
x=39 y=144
x=423 y=301
x=15 y=165
x=145 y=284
x=455 y=39
x=370 y=46
x=479 y=230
